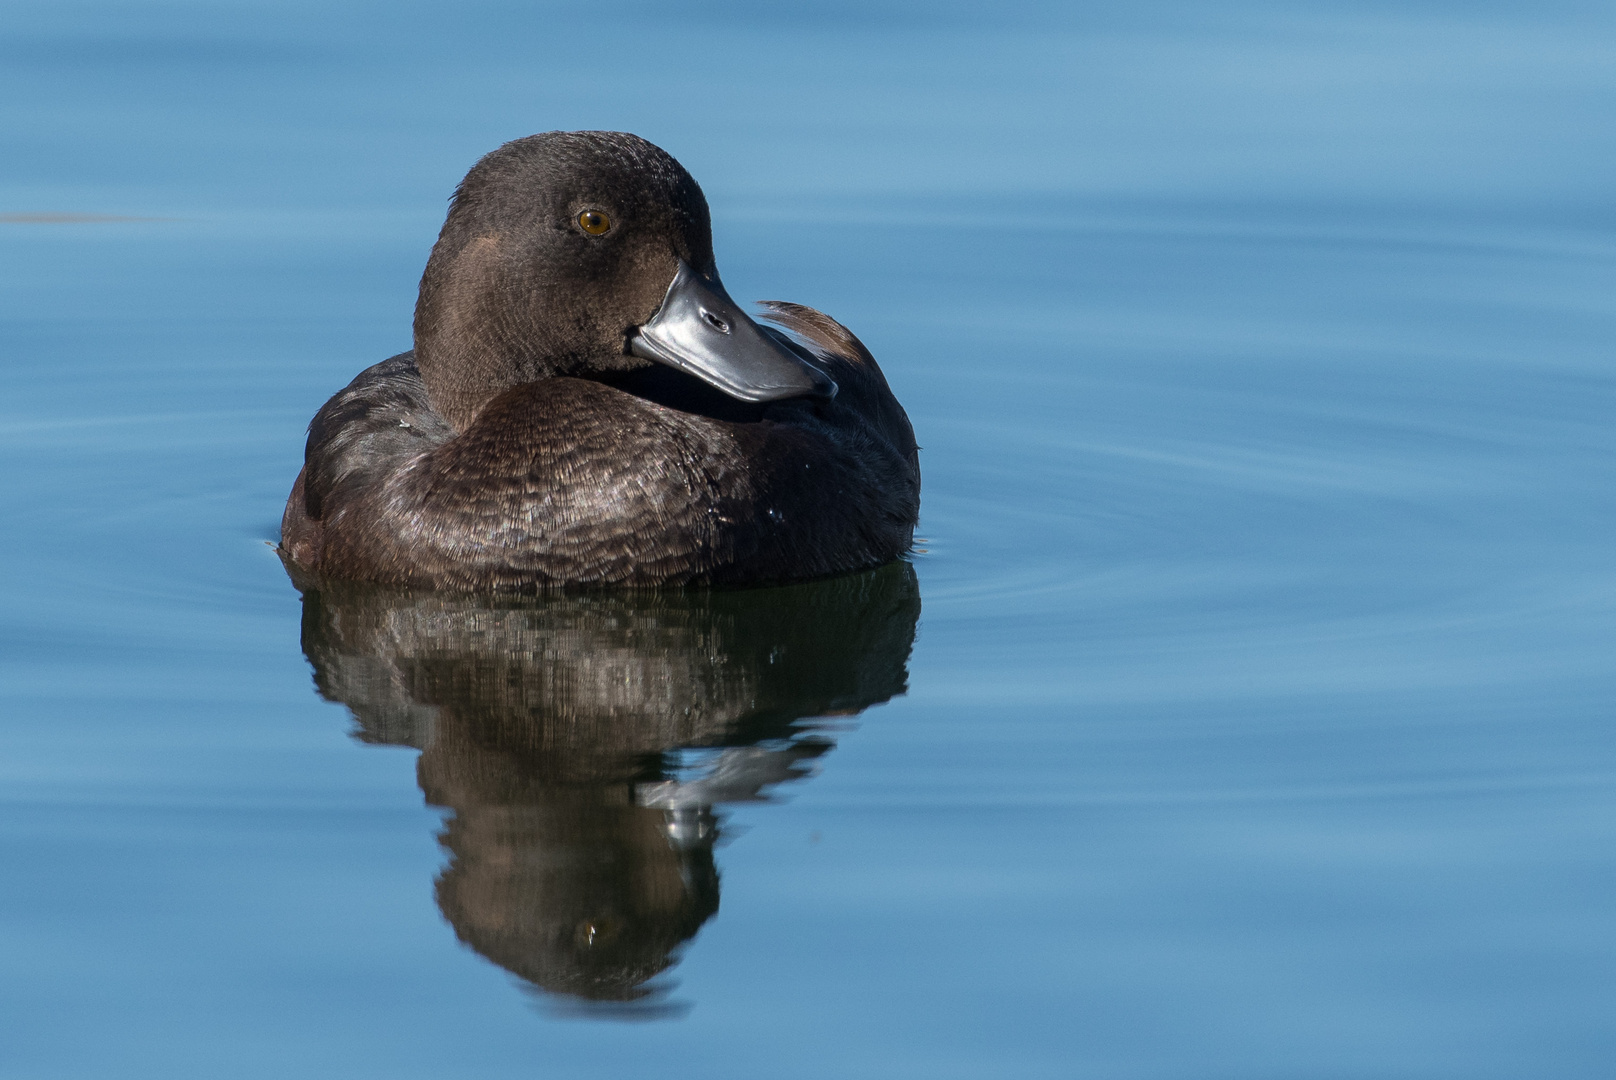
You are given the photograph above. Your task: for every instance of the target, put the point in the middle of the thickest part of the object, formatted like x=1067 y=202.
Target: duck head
x=586 y=253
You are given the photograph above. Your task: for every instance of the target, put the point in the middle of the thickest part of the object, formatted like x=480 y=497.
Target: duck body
x=576 y=481
x=594 y=410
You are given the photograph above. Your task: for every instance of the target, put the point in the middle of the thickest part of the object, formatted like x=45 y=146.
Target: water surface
x=1248 y=712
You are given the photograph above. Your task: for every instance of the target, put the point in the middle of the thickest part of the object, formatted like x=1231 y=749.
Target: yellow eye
x=594 y=222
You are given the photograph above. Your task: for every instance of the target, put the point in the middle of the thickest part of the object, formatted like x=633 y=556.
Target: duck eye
x=594 y=222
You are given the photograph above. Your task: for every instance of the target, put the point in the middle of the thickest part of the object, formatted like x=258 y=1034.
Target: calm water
x=1248 y=714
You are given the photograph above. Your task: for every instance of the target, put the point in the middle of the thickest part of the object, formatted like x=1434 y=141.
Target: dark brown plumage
x=521 y=444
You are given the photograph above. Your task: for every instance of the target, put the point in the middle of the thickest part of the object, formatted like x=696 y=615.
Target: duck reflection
x=584 y=742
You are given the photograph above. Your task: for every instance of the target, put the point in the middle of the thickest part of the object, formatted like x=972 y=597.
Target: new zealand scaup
x=585 y=404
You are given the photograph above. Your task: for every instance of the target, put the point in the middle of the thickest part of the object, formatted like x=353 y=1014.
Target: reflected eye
x=594 y=222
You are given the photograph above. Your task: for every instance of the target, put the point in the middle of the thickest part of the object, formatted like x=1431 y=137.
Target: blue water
x=1257 y=721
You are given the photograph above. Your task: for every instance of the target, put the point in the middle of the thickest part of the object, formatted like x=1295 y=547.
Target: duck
x=585 y=405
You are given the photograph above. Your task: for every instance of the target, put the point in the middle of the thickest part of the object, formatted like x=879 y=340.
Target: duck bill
x=701 y=331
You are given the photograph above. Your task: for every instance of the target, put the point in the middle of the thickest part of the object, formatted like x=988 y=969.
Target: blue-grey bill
x=700 y=330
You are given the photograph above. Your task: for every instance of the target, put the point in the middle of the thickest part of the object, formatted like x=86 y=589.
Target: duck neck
x=475 y=337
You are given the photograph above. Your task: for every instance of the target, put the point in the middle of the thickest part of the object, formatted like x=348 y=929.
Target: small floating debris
x=55 y=218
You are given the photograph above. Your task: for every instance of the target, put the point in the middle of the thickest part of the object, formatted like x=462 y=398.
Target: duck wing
x=844 y=358
x=358 y=438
